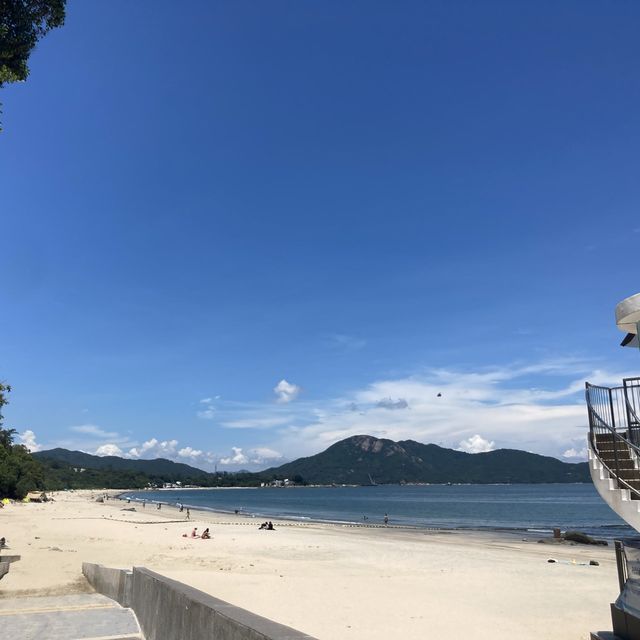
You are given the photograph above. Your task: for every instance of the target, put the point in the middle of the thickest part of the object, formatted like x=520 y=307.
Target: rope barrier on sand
x=253 y=524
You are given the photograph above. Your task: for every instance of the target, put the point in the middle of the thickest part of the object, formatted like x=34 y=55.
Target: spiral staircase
x=614 y=446
x=614 y=463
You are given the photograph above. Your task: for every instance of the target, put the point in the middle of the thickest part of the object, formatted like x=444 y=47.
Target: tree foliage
x=19 y=471
x=22 y=24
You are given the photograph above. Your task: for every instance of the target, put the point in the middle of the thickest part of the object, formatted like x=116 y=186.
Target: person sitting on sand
x=205 y=534
x=3 y=542
x=270 y=526
x=194 y=533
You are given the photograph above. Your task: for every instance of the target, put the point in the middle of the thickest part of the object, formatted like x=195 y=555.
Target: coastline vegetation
x=20 y=473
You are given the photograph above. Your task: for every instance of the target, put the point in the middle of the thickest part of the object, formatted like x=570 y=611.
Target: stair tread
x=81 y=617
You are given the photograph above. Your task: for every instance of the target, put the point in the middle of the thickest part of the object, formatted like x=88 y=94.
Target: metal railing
x=613 y=415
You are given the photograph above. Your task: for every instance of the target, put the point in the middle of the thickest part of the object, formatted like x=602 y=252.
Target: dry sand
x=330 y=581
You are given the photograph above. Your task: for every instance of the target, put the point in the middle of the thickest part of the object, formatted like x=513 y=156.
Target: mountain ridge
x=359 y=460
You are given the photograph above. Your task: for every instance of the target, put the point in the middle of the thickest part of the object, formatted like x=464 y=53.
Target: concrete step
x=86 y=616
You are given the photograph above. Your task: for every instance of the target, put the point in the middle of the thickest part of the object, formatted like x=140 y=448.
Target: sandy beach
x=330 y=581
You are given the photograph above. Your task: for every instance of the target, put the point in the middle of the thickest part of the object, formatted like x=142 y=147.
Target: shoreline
x=332 y=581
x=606 y=532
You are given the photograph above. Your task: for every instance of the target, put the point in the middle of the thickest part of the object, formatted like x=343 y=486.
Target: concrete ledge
x=171 y=610
x=5 y=563
x=113 y=583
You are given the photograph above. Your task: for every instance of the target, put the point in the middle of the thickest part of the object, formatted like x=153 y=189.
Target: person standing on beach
x=385 y=519
x=188 y=514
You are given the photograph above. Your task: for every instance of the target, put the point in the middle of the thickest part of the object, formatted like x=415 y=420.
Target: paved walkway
x=86 y=616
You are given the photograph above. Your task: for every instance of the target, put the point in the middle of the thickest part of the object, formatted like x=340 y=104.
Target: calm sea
x=521 y=507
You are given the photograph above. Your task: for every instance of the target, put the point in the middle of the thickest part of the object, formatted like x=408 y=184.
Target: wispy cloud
x=346 y=342
x=537 y=407
x=208 y=413
x=94 y=430
x=250 y=422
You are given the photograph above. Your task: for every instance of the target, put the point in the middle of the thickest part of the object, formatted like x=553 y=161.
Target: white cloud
x=286 y=391
x=237 y=458
x=259 y=456
x=190 y=452
x=476 y=444
x=576 y=453
x=108 y=450
x=94 y=430
x=538 y=407
x=206 y=400
x=154 y=448
x=28 y=439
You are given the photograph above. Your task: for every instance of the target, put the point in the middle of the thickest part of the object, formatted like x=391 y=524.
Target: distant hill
x=360 y=459
x=355 y=460
x=167 y=470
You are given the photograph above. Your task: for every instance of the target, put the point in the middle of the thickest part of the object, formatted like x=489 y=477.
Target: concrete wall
x=170 y=610
x=113 y=583
x=5 y=563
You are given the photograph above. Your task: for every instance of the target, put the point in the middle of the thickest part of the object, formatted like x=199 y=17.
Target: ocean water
x=517 y=507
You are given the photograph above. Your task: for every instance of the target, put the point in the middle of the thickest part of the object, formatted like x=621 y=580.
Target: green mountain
x=356 y=460
x=168 y=470
x=363 y=459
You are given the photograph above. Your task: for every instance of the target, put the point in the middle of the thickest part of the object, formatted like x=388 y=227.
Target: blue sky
x=371 y=202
